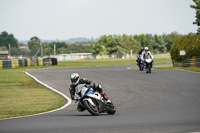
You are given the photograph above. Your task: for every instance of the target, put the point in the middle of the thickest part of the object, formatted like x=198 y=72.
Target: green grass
x=20 y=95
x=162 y=58
x=100 y=62
x=194 y=69
x=166 y=66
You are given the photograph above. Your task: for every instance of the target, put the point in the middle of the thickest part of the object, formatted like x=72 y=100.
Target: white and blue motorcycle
x=93 y=101
x=148 y=65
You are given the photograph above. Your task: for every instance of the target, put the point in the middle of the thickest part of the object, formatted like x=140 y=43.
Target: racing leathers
x=146 y=55
x=89 y=84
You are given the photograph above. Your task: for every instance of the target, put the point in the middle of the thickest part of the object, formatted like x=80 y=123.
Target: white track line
x=64 y=106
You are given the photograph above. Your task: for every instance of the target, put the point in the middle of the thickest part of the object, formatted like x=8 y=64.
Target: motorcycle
x=93 y=101
x=140 y=63
x=148 y=65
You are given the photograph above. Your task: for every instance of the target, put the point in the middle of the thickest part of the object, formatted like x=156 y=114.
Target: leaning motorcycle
x=148 y=65
x=93 y=101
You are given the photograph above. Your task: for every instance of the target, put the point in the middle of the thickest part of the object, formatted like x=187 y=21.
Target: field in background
x=161 y=58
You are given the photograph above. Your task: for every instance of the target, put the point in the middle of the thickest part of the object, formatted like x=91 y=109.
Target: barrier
x=1 y=64
x=40 y=61
x=14 y=63
x=193 y=62
x=7 y=64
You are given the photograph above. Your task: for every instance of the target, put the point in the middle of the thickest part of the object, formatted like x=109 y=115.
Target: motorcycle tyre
x=89 y=108
x=149 y=70
x=111 y=109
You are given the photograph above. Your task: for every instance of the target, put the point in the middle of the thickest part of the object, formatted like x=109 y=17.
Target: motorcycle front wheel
x=91 y=109
x=111 y=109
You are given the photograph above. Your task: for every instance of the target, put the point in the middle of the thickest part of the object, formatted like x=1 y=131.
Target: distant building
x=74 y=56
x=24 y=47
x=4 y=55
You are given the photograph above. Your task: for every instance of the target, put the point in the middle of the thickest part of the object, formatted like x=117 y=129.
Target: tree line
x=118 y=45
x=123 y=44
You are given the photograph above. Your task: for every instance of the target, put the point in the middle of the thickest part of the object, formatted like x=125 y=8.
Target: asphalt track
x=165 y=101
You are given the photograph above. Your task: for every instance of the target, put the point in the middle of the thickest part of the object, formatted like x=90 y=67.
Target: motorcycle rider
x=76 y=80
x=146 y=54
x=139 y=57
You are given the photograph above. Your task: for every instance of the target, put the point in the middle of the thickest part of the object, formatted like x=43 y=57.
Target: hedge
x=190 y=44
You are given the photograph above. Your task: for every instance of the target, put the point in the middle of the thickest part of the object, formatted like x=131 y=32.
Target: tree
x=170 y=38
x=15 y=51
x=146 y=40
x=100 y=49
x=8 y=39
x=3 y=48
x=129 y=43
x=34 y=45
x=160 y=43
x=197 y=8
x=47 y=51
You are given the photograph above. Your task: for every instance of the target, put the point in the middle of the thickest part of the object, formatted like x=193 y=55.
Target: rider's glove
x=88 y=86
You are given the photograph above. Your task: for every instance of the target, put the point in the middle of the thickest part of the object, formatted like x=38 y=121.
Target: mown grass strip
x=161 y=58
x=165 y=66
x=20 y=95
x=101 y=62
x=194 y=69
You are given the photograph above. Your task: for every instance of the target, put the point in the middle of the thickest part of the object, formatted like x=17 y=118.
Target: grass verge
x=20 y=95
x=100 y=62
x=161 y=58
x=194 y=69
x=165 y=66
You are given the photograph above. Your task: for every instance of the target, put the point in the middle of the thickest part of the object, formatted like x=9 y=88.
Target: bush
x=190 y=44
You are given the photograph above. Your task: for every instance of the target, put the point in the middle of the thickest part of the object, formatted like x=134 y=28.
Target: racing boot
x=105 y=97
x=80 y=108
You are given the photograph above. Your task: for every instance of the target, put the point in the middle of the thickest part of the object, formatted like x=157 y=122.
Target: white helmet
x=146 y=48
x=75 y=78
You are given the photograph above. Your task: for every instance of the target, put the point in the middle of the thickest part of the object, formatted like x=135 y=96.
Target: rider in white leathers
x=146 y=54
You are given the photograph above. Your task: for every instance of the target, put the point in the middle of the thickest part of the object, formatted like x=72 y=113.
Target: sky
x=64 y=19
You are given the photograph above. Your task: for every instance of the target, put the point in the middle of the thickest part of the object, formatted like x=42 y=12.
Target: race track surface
x=165 y=101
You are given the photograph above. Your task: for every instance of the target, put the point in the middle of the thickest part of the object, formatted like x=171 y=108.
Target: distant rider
x=146 y=54
x=75 y=79
x=139 y=57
